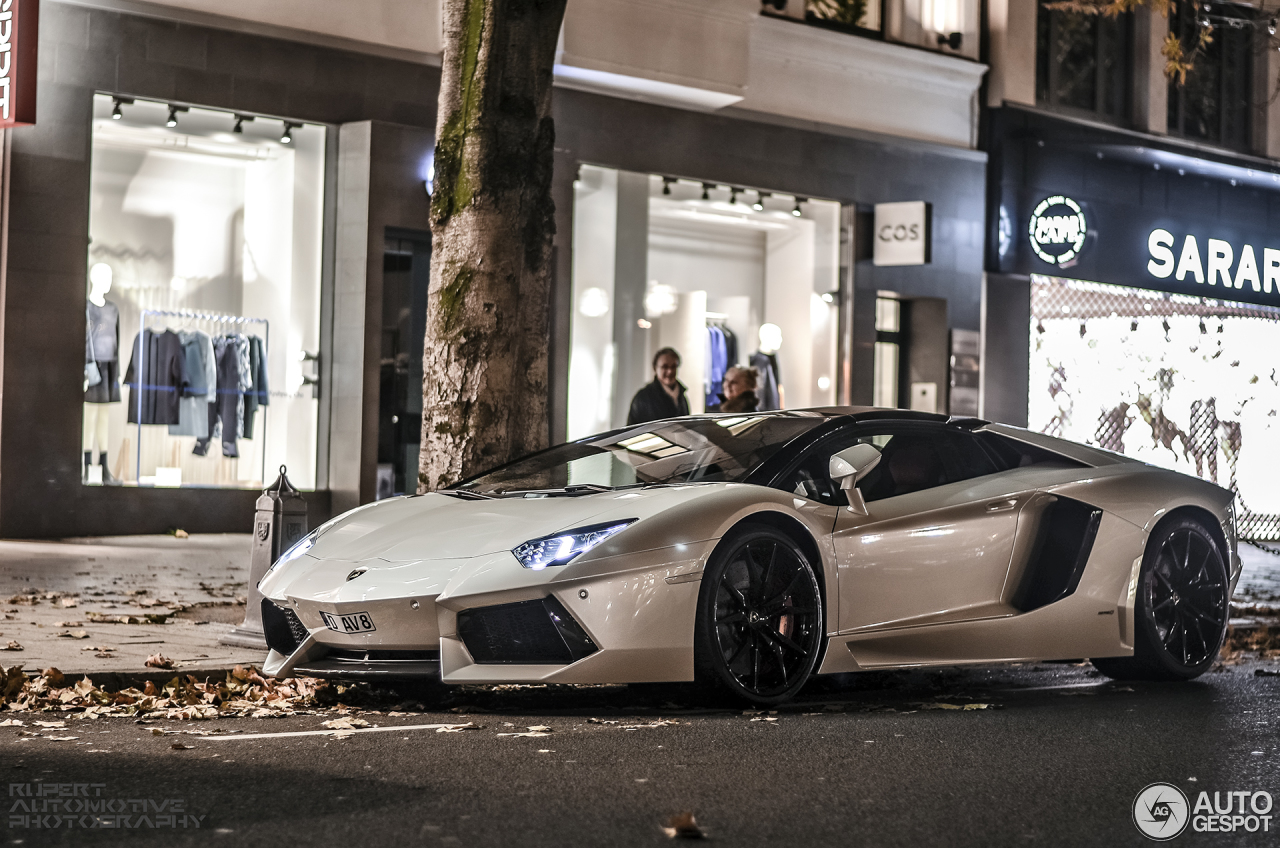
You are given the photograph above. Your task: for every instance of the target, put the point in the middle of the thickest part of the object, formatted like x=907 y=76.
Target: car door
x=939 y=535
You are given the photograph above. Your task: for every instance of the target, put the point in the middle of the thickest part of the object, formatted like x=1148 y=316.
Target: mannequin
x=102 y=368
x=765 y=361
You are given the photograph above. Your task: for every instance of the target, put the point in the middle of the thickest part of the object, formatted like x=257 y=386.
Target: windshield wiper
x=467 y=494
x=587 y=487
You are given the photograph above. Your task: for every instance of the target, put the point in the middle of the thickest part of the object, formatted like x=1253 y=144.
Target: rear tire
x=1181 y=609
x=759 y=629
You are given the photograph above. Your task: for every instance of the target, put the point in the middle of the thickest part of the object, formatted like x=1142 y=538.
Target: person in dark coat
x=665 y=396
x=739 y=393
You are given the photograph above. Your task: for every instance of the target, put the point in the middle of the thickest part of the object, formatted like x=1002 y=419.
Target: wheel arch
x=794 y=530
x=1204 y=517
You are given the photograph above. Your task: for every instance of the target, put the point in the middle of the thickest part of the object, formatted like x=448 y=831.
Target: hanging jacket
x=156 y=377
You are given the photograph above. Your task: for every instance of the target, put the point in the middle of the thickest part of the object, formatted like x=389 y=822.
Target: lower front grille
x=283 y=630
x=347 y=655
x=538 y=632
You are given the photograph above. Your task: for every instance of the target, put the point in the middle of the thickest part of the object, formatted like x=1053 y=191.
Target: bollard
x=280 y=523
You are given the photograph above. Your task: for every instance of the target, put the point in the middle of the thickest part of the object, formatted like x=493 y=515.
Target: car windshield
x=712 y=449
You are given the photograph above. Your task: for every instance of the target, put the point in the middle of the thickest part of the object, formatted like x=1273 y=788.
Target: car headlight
x=562 y=547
x=299 y=548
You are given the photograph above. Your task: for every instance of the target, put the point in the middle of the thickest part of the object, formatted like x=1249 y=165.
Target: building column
x=1150 y=86
x=1012 y=26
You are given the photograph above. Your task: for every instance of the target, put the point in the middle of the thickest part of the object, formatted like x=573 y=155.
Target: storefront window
x=1215 y=103
x=1083 y=62
x=1176 y=381
x=203 y=305
x=725 y=275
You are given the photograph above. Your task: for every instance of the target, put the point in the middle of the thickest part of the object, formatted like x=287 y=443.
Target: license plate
x=352 y=622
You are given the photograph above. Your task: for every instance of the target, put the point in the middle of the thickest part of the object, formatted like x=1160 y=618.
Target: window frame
x=1047 y=71
x=1184 y=25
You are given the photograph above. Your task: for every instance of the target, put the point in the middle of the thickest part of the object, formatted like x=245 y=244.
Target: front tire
x=1181 y=610
x=759 y=628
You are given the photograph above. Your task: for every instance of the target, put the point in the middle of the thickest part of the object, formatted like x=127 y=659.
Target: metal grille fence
x=1185 y=383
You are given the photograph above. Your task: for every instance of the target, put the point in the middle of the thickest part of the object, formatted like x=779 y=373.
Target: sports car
x=754 y=551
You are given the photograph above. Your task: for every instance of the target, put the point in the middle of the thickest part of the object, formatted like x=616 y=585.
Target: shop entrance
x=725 y=275
x=1181 y=382
x=911 y=359
x=406 y=273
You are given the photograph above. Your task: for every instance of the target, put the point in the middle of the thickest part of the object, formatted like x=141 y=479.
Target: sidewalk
x=102 y=606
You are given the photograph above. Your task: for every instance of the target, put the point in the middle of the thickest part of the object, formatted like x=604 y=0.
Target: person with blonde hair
x=739 y=393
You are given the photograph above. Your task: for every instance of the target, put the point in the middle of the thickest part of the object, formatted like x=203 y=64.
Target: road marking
x=331 y=732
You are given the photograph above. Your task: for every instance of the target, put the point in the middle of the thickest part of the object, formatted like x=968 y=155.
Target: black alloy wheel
x=759 y=628
x=1181 y=609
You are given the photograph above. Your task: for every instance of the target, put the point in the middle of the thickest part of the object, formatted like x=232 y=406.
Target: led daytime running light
x=559 y=549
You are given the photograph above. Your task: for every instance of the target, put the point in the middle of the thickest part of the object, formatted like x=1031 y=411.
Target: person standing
x=739 y=393
x=665 y=396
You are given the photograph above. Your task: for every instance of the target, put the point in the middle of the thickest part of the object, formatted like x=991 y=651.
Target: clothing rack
x=216 y=318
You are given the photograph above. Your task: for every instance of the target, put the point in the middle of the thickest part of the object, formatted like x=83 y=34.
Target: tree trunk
x=484 y=385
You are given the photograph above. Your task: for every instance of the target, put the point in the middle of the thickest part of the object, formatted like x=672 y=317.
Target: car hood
x=436 y=526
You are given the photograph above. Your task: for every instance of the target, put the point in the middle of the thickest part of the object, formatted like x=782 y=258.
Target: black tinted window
x=913 y=457
x=1010 y=453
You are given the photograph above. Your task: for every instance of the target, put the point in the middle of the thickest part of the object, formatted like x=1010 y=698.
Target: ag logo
x=1161 y=811
x=1057 y=230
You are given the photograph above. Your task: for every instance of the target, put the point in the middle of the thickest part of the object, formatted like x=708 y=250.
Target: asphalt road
x=1057 y=759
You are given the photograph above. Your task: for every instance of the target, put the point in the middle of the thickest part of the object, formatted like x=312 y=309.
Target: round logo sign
x=1057 y=230
x=1161 y=811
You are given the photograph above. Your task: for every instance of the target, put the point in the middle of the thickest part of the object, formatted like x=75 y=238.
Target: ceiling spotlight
x=240 y=119
x=173 y=115
x=796 y=210
x=289 y=127
x=1271 y=27
x=828 y=297
x=706 y=188
x=116 y=114
x=666 y=184
x=759 y=204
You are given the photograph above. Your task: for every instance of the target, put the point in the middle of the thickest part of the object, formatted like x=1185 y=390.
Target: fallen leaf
x=55 y=677
x=344 y=734
x=103 y=655
x=159 y=661
x=533 y=734
x=67 y=623
x=12 y=646
x=601 y=721
x=12 y=722
x=49 y=723
x=942 y=706
x=76 y=634
x=62 y=738
x=178 y=746
x=68 y=602
x=539 y=728
x=344 y=723
x=662 y=722
x=683 y=826
x=1263 y=672
x=765 y=718
x=457 y=728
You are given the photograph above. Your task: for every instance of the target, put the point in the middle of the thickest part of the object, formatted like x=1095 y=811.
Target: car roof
x=868 y=413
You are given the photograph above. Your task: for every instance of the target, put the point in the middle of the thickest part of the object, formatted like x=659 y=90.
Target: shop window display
x=203 y=296
x=1176 y=381
x=726 y=275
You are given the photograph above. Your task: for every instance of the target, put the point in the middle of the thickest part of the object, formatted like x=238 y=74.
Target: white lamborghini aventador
x=757 y=550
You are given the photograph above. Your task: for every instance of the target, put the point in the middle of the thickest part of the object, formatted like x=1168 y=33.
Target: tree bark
x=485 y=355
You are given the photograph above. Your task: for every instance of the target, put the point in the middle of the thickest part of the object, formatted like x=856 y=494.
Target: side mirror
x=848 y=467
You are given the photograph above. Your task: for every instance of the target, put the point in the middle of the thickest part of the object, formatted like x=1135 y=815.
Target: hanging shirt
x=258 y=394
x=766 y=365
x=202 y=375
x=156 y=376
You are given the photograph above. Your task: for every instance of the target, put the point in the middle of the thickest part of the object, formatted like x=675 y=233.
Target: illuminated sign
x=903 y=233
x=19 y=25
x=1217 y=264
x=1057 y=230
